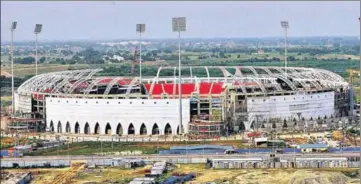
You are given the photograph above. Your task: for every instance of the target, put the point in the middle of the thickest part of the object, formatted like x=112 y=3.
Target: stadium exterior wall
x=307 y=106
x=116 y=111
x=23 y=103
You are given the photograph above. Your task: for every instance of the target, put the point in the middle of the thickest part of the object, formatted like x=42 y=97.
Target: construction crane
x=134 y=62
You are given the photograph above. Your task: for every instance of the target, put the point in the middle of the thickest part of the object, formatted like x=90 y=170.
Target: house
x=309 y=148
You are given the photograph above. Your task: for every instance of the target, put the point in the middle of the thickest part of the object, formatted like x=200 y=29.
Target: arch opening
x=86 y=128
x=59 y=127
x=108 y=129
x=67 y=128
x=119 y=129
x=77 y=128
x=96 y=128
x=51 y=126
x=167 y=129
x=143 y=130
x=155 y=129
x=131 y=129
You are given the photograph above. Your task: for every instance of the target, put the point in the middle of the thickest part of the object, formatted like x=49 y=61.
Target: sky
x=92 y=20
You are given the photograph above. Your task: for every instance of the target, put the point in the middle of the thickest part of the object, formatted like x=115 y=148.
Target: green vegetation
x=92 y=148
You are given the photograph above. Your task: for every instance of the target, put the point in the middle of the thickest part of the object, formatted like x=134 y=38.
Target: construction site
x=215 y=101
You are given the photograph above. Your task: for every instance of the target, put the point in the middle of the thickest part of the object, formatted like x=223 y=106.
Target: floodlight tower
x=179 y=25
x=37 y=30
x=12 y=29
x=285 y=25
x=360 y=118
x=140 y=29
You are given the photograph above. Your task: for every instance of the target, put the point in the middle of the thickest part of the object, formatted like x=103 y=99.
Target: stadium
x=215 y=100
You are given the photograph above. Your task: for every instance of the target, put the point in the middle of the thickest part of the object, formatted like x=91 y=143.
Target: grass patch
x=92 y=148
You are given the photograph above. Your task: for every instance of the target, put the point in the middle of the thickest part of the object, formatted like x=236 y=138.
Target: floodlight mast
x=285 y=25
x=360 y=118
x=140 y=29
x=37 y=30
x=12 y=29
x=179 y=24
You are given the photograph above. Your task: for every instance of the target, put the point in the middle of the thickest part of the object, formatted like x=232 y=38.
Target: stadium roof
x=249 y=79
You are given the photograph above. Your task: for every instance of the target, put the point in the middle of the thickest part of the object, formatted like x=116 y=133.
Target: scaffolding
x=25 y=123
x=205 y=129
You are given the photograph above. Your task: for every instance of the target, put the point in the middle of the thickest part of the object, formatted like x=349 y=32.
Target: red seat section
x=188 y=89
x=105 y=81
x=157 y=89
x=168 y=88
x=147 y=87
x=48 y=90
x=82 y=85
x=217 y=88
x=122 y=82
x=204 y=87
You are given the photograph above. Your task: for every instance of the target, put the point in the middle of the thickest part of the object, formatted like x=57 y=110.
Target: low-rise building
x=309 y=148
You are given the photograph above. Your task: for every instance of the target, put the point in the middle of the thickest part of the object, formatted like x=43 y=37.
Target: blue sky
x=65 y=20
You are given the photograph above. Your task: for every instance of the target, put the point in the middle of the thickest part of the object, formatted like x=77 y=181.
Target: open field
x=262 y=176
x=5 y=98
x=234 y=176
x=23 y=69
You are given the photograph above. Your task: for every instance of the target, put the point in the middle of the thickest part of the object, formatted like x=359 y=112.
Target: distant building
x=260 y=51
x=118 y=58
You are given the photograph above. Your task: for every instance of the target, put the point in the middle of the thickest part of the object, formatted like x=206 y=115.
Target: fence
x=35 y=163
x=123 y=163
x=282 y=164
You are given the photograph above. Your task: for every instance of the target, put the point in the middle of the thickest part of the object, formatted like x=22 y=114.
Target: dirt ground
x=231 y=176
x=265 y=176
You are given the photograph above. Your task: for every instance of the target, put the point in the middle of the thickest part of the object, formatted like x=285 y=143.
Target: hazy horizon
x=67 y=21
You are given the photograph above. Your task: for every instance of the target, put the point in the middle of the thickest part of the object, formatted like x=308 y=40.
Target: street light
x=285 y=25
x=12 y=29
x=140 y=29
x=179 y=25
x=37 y=30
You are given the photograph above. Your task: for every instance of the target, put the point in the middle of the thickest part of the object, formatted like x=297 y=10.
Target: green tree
x=42 y=59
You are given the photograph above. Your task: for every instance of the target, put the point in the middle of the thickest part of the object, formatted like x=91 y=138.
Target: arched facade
x=152 y=116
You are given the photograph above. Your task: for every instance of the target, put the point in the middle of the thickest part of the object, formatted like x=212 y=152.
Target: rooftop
x=315 y=146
